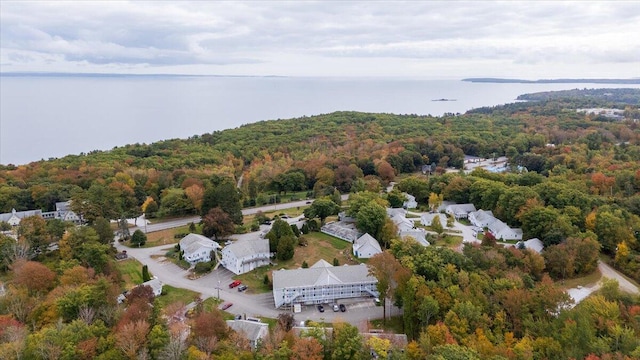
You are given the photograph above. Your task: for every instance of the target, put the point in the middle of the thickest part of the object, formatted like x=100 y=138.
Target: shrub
x=203 y=267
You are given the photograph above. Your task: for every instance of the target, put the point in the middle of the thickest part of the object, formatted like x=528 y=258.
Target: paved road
x=170 y=224
x=609 y=272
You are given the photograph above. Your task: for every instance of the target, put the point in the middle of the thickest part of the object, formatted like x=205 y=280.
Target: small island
x=444 y=99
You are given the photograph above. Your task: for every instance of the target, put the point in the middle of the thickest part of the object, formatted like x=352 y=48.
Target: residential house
x=502 y=231
x=398 y=216
x=63 y=212
x=197 y=248
x=460 y=211
x=366 y=246
x=419 y=235
x=427 y=219
x=411 y=202
x=14 y=217
x=322 y=284
x=253 y=331
x=532 y=244
x=481 y=218
x=245 y=255
x=155 y=285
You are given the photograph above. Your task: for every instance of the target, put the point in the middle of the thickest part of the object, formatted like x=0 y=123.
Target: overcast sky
x=302 y=38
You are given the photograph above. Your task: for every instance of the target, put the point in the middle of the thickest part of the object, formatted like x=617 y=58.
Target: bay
x=52 y=116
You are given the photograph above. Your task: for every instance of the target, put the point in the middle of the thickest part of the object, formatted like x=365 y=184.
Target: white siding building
x=197 y=248
x=481 y=218
x=460 y=211
x=366 y=246
x=427 y=219
x=322 y=284
x=243 y=256
x=14 y=217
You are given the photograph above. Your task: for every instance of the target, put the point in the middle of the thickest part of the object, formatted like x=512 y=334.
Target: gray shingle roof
x=245 y=248
x=346 y=274
x=193 y=242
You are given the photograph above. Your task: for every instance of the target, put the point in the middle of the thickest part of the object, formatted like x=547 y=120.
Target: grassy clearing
x=320 y=246
x=165 y=237
x=171 y=295
x=449 y=241
x=581 y=281
x=131 y=270
x=211 y=303
x=395 y=324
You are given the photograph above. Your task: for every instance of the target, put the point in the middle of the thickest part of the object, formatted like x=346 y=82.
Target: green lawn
x=131 y=270
x=450 y=241
x=395 y=324
x=171 y=295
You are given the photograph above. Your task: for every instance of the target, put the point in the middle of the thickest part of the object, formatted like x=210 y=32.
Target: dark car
x=242 y=287
x=343 y=308
x=320 y=308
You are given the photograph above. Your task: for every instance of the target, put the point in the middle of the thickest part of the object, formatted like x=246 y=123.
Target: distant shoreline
x=553 y=81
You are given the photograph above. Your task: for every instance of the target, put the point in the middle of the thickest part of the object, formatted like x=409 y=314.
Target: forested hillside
x=573 y=182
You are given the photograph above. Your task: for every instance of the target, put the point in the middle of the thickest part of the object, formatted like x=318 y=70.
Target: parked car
x=336 y=308
x=226 y=305
x=320 y=308
x=343 y=308
x=234 y=284
x=242 y=287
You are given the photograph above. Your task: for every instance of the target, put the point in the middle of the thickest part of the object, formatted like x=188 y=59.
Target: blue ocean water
x=52 y=116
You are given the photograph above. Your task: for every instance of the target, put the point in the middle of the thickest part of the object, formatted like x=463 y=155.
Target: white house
x=155 y=285
x=502 y=231
x=398 y=216
x=427 y=219
x=532 y=244
x=481 y=218
x=419 y=235
x=460 y=211
x=14 y=217
x=245 y=255
x=253 y=331
x=366 y=246
x=411 y=202
x=322 y=284
x=197 y=248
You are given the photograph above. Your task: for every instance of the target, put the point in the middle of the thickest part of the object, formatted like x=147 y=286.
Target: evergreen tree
x=145 y=273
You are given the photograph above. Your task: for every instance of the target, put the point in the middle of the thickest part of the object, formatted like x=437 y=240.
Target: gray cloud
x=265 y=37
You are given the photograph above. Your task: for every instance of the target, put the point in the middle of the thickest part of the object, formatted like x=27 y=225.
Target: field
x=131 y=270
x=320 y=246
x=171 y=295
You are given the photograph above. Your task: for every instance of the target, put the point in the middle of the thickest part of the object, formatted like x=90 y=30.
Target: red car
x=226 y=305
x=234 y=284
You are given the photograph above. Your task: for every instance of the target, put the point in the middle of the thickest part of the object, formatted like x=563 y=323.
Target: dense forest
x=573 y=182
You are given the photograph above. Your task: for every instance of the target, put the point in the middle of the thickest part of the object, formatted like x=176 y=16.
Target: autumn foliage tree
x=217 y=224
x=33 y=275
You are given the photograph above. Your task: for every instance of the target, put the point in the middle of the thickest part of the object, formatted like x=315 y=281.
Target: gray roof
x=534 y=244
x=244 y=248
x=20 y=214
x=63 y=206
x=253 y=330
x=192 y=242
x=321 y=264
x=418 y=235
x=155 y=284
x=346 y=274
x=461 y=208
x=366 y=240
